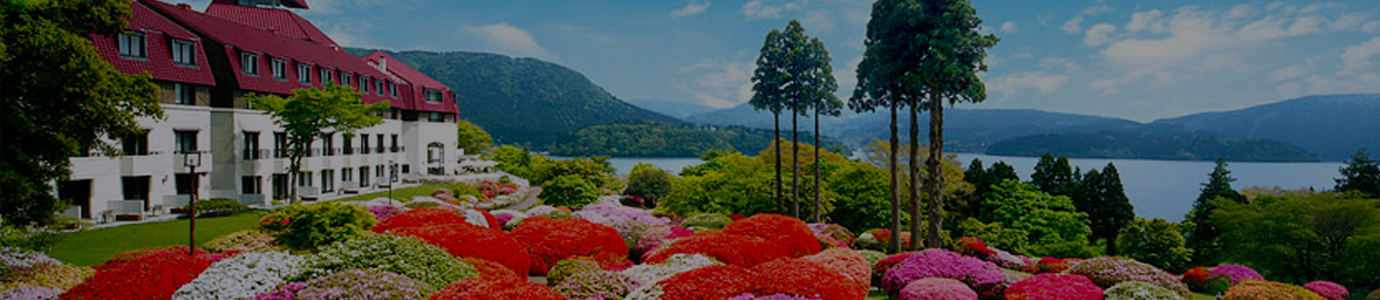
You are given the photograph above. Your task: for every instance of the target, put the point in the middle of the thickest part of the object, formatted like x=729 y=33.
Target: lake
x=1157 y=188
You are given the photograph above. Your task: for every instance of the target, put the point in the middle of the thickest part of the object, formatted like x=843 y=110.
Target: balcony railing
x=256 y=154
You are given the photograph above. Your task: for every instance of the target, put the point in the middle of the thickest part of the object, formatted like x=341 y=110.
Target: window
x=251 y=145
x=346 y=174
x=395 y=143
x=327 y=180
x=378 y=171
x=280 y=186
x=184 y=183
x=348 y=145
x=325 y=76
x=184 y=52
x=304 y=73
x=345 y=78
x=328 y=144
x=132 y=45
x=435 y=153
x=185 y=141
x=364 y=144
x=433 y=95
x=380 y=148
x=135 y=188
x=136 y=143
x=304 y=180
x=363 y=84
x=279 y=144
x=378 y=86
x=184 y=94
x=279 y=68
x=407 y=169
x=364 y=176
x=393 y=89
x=251 y=185
x=249 y=62
x=436 y=117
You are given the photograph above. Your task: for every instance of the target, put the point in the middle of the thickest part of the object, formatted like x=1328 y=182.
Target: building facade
x=206 y=63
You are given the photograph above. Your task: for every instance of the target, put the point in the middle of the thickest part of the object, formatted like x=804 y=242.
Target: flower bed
x=406 y=256
x=941 y=263
x=610 y=214
x=242 y=276
x=465 y=240
x=805 y=278
x=1054 y=287
x=732 y=249
x=309 y=226
x=1268 y=290
x=772 y=297
x=419 y=218
x=707 y=283
x=848 y=262
x=383 y=212
x=596 y=285
x=653 y=237
x=146 y=274
x=1139 y=290
x=937 y=289
x=1108 y=271
x=29 y=292
x=791 y=234
x=552 y=240
x=1236 y=273
x=647 y=274
x=1329 y=290
x=496 y=289
x=835 y=231
x=37 y=273
x=569 y=267
x=364 y=285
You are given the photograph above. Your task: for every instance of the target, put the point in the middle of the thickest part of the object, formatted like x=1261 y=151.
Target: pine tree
x=1202 y=238
x=1360 y=175
x=1103 y=198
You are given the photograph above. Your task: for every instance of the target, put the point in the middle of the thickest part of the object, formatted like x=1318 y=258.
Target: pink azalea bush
x=382 y=212
x=1107 y=271
x=938 y=289
x=944 y=264
x=1051 y=286
x=1237 y=273
x=1328 y=289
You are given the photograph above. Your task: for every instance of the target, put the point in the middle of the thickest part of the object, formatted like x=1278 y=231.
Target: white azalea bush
x=242 y=276
x=651 y=273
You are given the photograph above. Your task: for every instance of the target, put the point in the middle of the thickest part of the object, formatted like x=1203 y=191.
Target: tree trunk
x=776 y=140
x=914 y=169
x=936 y=169
x=894 y=246
x=795 y=166
x=294 y=171
x=817 y=174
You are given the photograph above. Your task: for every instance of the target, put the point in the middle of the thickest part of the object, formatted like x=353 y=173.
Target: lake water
x=1157 y=188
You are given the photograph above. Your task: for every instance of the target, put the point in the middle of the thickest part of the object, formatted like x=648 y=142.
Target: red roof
x=283 y=22
x=289 y=3
x=157 y=32
x=416 y=81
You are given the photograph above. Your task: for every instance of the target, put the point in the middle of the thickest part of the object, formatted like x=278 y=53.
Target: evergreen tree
x=1202 y=234
x=768 y=81
x=1055 y=176
x=1360 y=175
x=1103 y=198
x=982 y=180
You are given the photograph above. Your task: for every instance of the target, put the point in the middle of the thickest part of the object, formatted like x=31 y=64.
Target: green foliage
x=1360 y=175
x=312 y=114
x=516 y=161
x=1156 y=242
x=864 y=197
x=1047 y=219
x=406 y=256
x=667 y=140
x=1140 y=290
x=60 y=98
x=992 y=234
x=29 y=238
x=569 y=191
x=1054 y=176
x=1202 y=235
x=1304 y=237
x=218 y=207
x=877 y=153
x=728 y=183
x=706 y=221
x=472 y=138
x=460 y=188
x=304 y=227
x=1152 y=142
x=969 y=205
x=648 y=182
x=595 y=169
x=1103 y=198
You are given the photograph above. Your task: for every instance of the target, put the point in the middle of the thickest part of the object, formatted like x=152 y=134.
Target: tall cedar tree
x=59 y=98
x=1203 y=236
x=768 y=83
x=793 y=72
x=821 y=100
x=982 y=180
x=312 y=114
x=1054 y=176
x=1103 y=198
x=1361 y=175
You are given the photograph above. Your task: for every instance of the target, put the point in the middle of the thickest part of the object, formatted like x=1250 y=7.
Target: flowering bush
x=648 y=274
x=286 y=292
x=147 y=274
x=569 y=267
x=791 y=234
x=1196 y=278
x=872 y=256
x=596 y=285
x=419 y=218
x=503 y=218
x=14 y=258
x=489 y=269
x=242 y=276
x=653 y=237
x=29 y=292
x=1007 y=260
x=465 y=240
x=848 y=262
x=496 y=289
x=802 y=277
x=707 y=283
x=244 y=240
x=835 y=231
x=1139 y=290
x=1268 y=290
x=974 y=247
x=772 y=297
x=944 y=264
x=1236 y=273
x=890 y=261
x=1054 y=287
x=364 y=285
x=309 y=226
x=937 y=289
x=37 y=274
x=1329 y=290
x=737 y=250
x=706 y=221
x=383 y=212
x=552 y=240
x=1049 y=265
x=1107 y=271
x=407 y=256
x=609 y=214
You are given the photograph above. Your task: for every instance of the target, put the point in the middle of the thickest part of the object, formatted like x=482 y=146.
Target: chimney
x=185 y=6
x=383 y=64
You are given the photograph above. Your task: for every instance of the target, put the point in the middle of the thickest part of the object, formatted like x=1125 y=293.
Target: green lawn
x=93 y=247
x=402 y=194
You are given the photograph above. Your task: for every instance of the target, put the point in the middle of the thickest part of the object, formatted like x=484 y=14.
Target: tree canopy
x=1202 y=234
x=1361 y=175
x=311 y=114
x=1302 y=237
x=470 y=137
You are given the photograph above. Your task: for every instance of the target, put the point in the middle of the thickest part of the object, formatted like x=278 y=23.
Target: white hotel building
x=205 y=63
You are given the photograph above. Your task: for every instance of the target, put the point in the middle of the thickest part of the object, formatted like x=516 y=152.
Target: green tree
x=1156 y=242
x=726 y=183
x=1361 y=175
x=648 y=182
x=1047 y=219
x=863 y=197
x=1054 y=175
x=312 y=114
x=595 y=169
x=1303 y=237
x=926 y=51
x=1104 y=200
x=1202 y=234
x=471 y=137
x=516 y=161
x=570 y=191
x=819 y=96
x=968 y=205
x=768 y=84
x=59 y=98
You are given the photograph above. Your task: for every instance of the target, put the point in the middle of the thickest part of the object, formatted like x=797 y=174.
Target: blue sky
x=1140 y=60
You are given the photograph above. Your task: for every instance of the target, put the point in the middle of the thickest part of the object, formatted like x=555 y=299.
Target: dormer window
x=279 y=68
x=433 y=95
x=184 y=52
x=249 y=62
x=378 y=86
x=393 y=89
x=345 y=78
x=133 y=45
x=325 y=76
x=363 y=84
x=304 y=73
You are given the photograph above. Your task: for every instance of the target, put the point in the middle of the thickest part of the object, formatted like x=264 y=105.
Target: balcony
x=256 y=154
x=146 y=164
x=253 y=199
x=183 y=161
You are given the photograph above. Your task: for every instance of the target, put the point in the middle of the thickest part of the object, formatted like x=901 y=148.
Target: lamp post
x=191 y=160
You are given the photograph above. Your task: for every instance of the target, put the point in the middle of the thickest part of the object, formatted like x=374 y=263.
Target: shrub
x=29 y=238
x=309 y=226
x=465 y=240
x=383 y=212
x=496 y=289
x=421 y=204
x=244 y=240
x=364 y=285
x=803 y=277
x=732 y=249
x=22 y=268
x=460 y=189
x=944 y=264
x=420 y=217
x=1050 y=265
x=217 y=207
x=610 y=214
x=148 y=274
x=791 y=234
x=1268 y=290
x=937 y=289
x=1156 y=242
x=653 y=237
x=1329 y=290
x=1054 y=287
x=553 y=240
x=242 y=276
x=648 y=182
x=569 y=267
x=1139 y=290
x=835 y=231
x=872 y=256
x=890 y=261
x=1236 y=273
x=845 y=261
x=712 y=282
x=488 y=269
x=1108 y=271
x=974 y=247
x=706 y=221
x=596 y=285
x=878 y=239
x=648 y=274
x=407 y=256
x=569 y=191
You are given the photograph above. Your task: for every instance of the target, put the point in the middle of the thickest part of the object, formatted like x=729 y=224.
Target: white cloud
x=1044 y=82
x=694 y=8
x=847 y=75
x=1099 y=35
x=1072 y=26
x=1146 y=20
x=1372 y=26
x=1008 y=27
x=759 y=9
x=1358 y=58
x=511 y=40
x=1059 y=63
x=1289 y=72
x=720 y=83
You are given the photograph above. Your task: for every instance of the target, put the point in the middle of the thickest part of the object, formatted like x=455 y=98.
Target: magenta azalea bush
x=1237 y=273
x=1328 y=289
x=382 y=212
x=937 y=289
x=772 y=297
x=1052 y=286
x=364 y=285
x=944 y=264
x=1107 y=271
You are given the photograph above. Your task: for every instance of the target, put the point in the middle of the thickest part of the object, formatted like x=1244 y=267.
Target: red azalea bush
x=1328 y=289
x=484 y=288
x=733 y=249
x=846 y=261
x=144 y=274
x=790 y=233
x=465 y=240
x=938 y=289
x=804 y=278
x=1048 y=265
x=420 y=217
x=891 y=261
x=490 y=219
x=1054 y=287
x=736 y=217
x=972 y=246
x=489 y=269
x=707 y=283
x=1196 y=278
x=553 y=240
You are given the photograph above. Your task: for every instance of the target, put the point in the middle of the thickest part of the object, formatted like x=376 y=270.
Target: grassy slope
x=92 y=247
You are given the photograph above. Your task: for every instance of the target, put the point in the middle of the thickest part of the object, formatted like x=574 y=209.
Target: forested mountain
x=671 y=108
x=523 y=100
x=1332 y=126
x=1152 y=143
x=666 y=140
